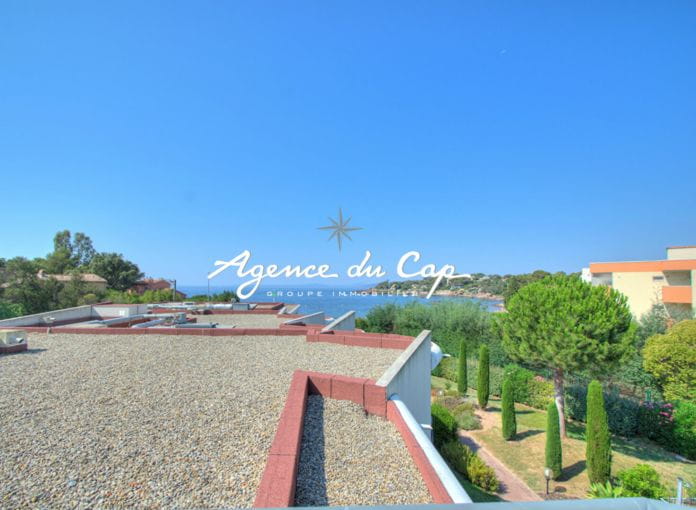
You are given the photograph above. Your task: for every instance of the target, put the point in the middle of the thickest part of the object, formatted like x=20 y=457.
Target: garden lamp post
x=547 y=474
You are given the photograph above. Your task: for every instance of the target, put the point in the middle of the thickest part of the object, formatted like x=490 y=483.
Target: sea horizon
x=334 y=300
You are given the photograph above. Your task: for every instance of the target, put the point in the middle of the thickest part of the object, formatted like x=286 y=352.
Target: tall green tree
x=554 y=449
x=119 y=273
x=461 y=368
x=566 y=325
x=483 y=380
x=598 y=446
x=508 y=410
x=83 y=251
x=671 y=359
x=69 y=253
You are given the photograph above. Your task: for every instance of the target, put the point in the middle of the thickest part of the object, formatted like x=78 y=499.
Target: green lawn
x=525 y=455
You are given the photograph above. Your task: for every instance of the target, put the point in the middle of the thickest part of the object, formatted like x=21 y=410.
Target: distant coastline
x=486 y=296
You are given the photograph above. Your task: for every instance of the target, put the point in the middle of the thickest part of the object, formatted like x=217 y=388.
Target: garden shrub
x=450 y=402
x=519 y=377
x=530 y=389
x=466 y=417
x=481 y=474
x=671 y=359
x=655 y=421
x=447 y=369
x=469 y=465
x=672 y=426
x=684 y=432
x=457 y=455
x=444 y=425
x=642 y=481
x=540 y=392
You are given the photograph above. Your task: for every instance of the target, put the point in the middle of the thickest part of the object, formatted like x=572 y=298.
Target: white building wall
x=409 y=377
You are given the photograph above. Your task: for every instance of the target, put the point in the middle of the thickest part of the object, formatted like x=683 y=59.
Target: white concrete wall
x=685 y=253
x=99 y=312
x=38 y=319
x=409 y=377
x=345 y=322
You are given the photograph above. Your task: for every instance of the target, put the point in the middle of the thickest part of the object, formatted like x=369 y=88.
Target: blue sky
x=496 y=136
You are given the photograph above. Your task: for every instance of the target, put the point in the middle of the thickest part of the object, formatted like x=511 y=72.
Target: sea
x=334 y=301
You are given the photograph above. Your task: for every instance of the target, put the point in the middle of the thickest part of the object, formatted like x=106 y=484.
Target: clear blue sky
x=498 y=136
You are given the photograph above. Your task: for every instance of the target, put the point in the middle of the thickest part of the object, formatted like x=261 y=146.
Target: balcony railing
x=676 y=294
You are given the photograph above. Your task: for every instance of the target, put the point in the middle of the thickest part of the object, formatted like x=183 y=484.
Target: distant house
x=93 y=281
x=153 y=284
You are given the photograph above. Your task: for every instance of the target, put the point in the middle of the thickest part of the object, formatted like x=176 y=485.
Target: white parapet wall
x=345 y=322
x=409 y=377
x=111 y=311
x=312 y=318
x=78 y=313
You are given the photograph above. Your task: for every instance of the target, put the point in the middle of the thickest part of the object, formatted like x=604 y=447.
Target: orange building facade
x=668 y=283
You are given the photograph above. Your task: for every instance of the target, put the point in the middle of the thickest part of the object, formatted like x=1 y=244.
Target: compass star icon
x=339 y=228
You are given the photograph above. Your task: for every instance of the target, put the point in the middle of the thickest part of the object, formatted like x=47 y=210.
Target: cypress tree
x=509 y=420
x=598 y=451
x=554 y=450
x=461 y=369
x=483 y=381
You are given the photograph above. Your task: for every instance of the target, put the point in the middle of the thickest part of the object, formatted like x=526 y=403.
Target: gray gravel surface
x=150 y=421
x=348 y=458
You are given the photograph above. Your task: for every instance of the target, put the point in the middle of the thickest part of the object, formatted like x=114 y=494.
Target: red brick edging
x=353 y=338
x=277 y=487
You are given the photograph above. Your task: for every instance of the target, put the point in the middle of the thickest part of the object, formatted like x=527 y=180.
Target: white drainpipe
x=444 y=473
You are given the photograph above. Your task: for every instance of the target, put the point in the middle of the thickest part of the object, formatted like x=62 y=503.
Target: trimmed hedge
x=622 y=413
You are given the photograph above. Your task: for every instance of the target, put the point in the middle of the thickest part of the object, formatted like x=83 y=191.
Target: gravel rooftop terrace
x=151 y=421
x=242 y=321
x=347 y=458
